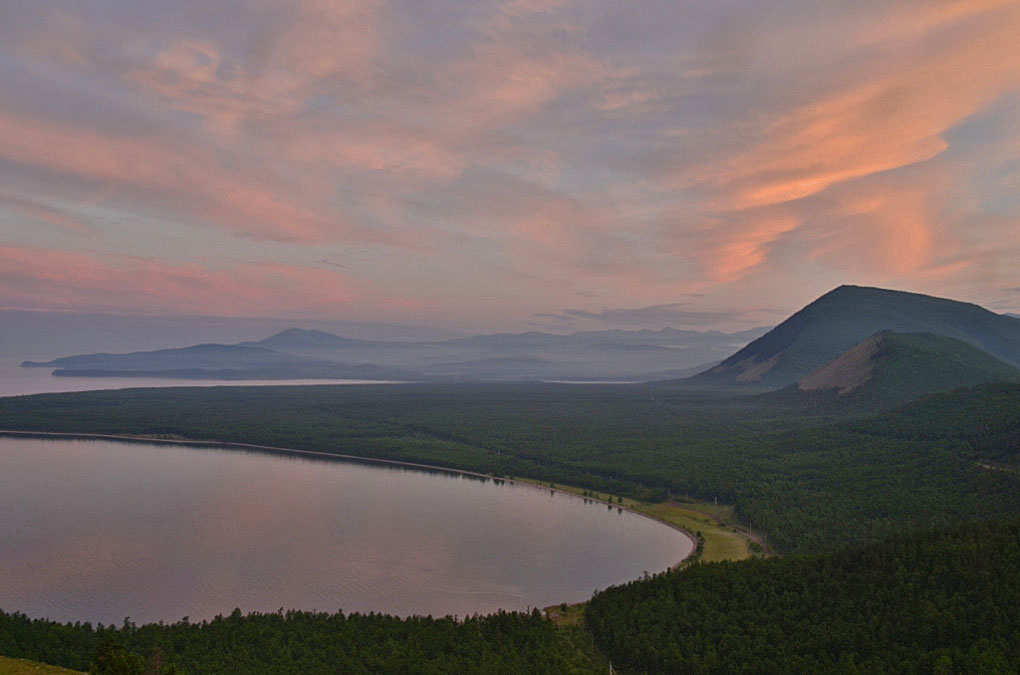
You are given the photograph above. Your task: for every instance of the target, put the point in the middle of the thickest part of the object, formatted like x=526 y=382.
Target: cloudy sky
x=501 y=165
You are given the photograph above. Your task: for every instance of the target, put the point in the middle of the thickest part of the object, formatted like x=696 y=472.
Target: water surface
x=18 y=381
x=99 y=530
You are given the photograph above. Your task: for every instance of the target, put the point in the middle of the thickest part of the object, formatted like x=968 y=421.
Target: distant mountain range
x=302 y=353
x=860 y=344
x=851 y=315
x=220 y=362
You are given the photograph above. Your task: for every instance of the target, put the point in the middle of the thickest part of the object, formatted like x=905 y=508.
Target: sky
x=506 y=165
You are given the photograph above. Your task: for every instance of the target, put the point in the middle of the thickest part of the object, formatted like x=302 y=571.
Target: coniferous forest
x=311 y=642
x=375 y=311
x=894 y=555
x=939 y=602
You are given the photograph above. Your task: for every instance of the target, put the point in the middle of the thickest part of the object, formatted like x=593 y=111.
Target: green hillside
x=984 y=419
x=313 y=643
x=846 y=316
x=23 y=667
x=939 y=602
x=891 y=368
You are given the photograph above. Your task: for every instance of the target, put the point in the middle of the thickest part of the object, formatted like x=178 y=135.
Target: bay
x=100 y=530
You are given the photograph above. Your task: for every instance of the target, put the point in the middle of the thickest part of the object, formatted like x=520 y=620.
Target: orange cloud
x=315 y=41
x=633 y=153
x=184 y=179
x=907 y=78
x=75 y=280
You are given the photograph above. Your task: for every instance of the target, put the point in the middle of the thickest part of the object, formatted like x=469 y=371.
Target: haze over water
x=16 y=381
x=100 y=530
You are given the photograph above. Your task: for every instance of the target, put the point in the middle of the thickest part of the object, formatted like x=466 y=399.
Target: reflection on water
x=99 y=530
x=17 y=381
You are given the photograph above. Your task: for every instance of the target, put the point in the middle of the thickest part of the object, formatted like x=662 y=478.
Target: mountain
x=197 y=356
x=616 y=355
x=665 y=337
x=890 y=368
x=213 y=361
x=300 y=339
x=848 y=315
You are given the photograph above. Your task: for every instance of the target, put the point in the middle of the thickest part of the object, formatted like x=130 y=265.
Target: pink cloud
x=313 y=41
x=83 y=281
x=43 y=213
x=633 y=153
x=182 y=178
x=825 y=154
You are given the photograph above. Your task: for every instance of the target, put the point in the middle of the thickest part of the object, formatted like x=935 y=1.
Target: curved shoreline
x=332 y=455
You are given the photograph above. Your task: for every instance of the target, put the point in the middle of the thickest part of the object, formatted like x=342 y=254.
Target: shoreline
x=691 y=557
x=527 y=482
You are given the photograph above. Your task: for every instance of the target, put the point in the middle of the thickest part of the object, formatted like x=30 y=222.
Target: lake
x=18 y=381
x=99 y=530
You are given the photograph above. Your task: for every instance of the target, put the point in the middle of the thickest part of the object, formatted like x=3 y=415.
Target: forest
x=311 y=642
x=810 y=474
x=894 y=553
x=940 y=602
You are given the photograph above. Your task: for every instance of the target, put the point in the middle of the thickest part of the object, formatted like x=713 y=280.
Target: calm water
x=16 y=381
x=99 y=530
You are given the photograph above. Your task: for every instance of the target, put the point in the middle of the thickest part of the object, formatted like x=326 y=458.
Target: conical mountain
x=848 y=315
x=892 y=368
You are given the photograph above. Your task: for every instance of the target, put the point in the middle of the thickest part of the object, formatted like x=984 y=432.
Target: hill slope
x=890 y=368
x=943 y=602
x=842 y=318
x=23 y=667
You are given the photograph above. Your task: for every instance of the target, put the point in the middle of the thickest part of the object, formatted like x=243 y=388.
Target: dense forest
x=305 y=643
x=811 y=474
x=814 y=474
x=940 y=602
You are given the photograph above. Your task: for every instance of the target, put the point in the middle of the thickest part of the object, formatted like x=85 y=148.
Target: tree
x=111 y=658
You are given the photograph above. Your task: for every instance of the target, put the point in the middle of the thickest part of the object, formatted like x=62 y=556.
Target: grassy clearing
x=724 y=539
x=573 y=616
x=23 y=667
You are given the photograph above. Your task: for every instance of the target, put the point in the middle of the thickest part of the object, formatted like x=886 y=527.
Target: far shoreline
x=526 y=482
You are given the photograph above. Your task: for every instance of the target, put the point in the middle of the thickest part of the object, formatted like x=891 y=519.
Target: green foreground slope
x=939 y=602
x=307 y=643
x=24 y=667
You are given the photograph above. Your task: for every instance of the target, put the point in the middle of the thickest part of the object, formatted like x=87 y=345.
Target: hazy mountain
x=840 y=319
x=591 y=355
x=301 y=339
x=213 y=361
x=890 y=368
x=198 y=356
x=665 y=337
x=45 y=335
